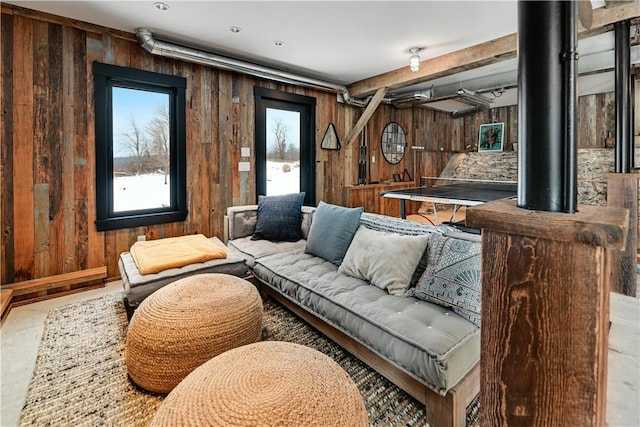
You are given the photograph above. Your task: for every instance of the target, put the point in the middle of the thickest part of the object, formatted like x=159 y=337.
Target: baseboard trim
x=30 y=291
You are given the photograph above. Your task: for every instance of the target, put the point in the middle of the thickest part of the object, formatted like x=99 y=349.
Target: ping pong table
x=453 y=191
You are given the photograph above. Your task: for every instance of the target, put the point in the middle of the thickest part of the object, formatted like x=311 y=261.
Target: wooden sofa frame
x=442 y=411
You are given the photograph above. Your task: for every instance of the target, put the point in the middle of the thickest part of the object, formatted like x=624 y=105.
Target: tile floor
x=21 y=332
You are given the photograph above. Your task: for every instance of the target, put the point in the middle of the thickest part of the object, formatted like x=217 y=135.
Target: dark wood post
x=545 y=313
x=545 y=261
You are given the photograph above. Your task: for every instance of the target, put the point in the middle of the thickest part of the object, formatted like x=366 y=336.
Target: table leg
x=435 y=213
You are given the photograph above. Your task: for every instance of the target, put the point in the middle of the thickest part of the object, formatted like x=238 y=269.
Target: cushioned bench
x=139 y=286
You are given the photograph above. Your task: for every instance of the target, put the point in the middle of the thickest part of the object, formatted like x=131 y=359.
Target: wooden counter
x=368 y=196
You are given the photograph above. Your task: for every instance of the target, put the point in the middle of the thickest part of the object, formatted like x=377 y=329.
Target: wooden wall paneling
x=215 y=147
x=605 y=120
x=405 y=117
x=6 y=152
x=54 y=148
x=457 y=135
x=95 y=239
x=335 y=191
x=246 y=137
x=373 y=134
x=23 y=206
x=234 y=139
x=323 y=118
x=56 y=110
x=205 y=150
x=107 y=49
x=512 y=125
x=41 y=149
x=225 y=141
x=80 y=152
x=194 y=136
x=65 y=215
x=471 y=131
x=586 y=132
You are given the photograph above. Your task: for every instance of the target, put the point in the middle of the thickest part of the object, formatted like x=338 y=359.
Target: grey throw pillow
x=332 y=230
x=452 y=278
x=279 y=218
x=386 y=260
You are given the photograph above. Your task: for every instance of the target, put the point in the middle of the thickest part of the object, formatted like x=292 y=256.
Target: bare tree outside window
x=279 y=149
x=141 y=150
x=132 y=142
x=157 y=132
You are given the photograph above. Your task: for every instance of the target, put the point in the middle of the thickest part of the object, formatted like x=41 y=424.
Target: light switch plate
x=244 y=166
x=245 y=151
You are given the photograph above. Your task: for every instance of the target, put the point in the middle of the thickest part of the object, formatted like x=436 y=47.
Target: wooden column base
x=545 y=313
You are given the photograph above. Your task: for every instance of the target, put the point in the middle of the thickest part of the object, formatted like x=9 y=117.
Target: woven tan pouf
x=269 y=383
x=186 y=323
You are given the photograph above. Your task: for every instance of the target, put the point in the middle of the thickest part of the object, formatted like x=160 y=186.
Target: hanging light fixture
x=414 y=59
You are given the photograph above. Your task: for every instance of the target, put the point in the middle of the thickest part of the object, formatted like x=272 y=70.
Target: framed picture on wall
x=491 y=137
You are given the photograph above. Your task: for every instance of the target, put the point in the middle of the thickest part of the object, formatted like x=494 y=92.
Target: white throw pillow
x=386 y=260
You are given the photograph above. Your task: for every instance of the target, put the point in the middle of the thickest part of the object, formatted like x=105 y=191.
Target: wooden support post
x=545 y=313
x=366 y=115
x=622 y=192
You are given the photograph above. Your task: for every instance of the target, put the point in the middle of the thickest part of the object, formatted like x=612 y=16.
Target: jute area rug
x=80 y=377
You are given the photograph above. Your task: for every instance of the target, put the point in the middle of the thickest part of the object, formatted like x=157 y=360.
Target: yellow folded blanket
x=153 y=256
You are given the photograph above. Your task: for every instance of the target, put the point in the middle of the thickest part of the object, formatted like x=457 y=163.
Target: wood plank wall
x=48 y=143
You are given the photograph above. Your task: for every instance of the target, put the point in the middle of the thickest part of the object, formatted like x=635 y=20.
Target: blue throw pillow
x=279 y=218
x=331 y=232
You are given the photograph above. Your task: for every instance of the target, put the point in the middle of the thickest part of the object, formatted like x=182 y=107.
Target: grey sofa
x=425 y=348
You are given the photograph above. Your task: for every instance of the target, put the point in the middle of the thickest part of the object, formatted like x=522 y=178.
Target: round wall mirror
x=393 y=143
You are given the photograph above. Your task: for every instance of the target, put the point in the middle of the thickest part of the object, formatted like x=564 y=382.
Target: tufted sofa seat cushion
x=433 y=343
x=250 y=249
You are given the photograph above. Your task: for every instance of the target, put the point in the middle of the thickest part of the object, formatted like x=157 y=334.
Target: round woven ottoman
x=269 y=383
x=186 y=323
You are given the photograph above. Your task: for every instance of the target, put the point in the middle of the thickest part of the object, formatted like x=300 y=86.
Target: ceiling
x=343 y=42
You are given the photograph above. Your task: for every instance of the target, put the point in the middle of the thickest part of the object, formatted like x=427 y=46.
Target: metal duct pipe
x=169 y=50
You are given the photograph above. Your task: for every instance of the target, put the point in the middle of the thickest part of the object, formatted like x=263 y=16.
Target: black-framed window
x=285 y=141
x=140 y=147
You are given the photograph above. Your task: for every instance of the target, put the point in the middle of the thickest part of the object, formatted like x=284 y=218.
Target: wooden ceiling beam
x=486 y=53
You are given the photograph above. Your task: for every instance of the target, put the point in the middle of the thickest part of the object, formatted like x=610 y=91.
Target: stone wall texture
x=593 y=163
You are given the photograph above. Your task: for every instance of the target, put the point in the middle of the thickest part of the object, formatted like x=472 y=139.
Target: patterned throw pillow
x=452 y=278
x=279 y=218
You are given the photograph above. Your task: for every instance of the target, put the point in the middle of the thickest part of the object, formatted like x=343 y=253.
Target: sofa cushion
x=250 y=249
x=331 y=231
x=386 y=260
x=242 y=220
x=402 y=226
x=452 y=278
x=279 y=217
x=436 y=345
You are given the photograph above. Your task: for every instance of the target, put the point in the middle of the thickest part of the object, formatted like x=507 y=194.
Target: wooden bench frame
x=29 y=291
x=442 y=411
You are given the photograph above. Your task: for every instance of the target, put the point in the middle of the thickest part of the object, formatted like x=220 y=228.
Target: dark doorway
x=285 y=143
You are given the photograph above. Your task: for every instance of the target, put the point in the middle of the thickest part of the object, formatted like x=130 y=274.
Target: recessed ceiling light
x=235 y=29
x=161 y=6
x=278 y=43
